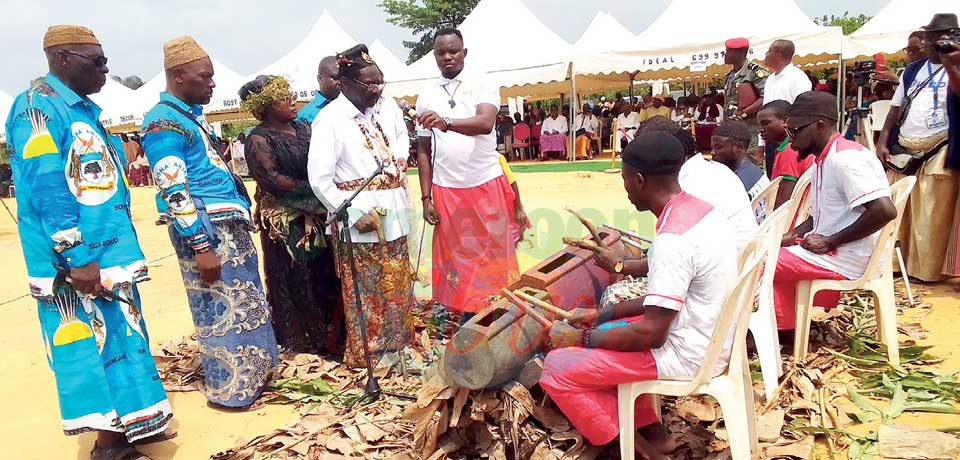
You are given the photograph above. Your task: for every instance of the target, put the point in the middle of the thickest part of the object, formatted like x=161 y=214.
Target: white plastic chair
x=885 y=304
x=766 y=198
x=732 y=388
x=878 y=115
x=801 y=197
x=763 y=321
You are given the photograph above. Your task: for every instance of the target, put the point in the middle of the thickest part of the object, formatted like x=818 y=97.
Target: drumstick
x=586 y=223
x=630 y=242
x=544 y=305
x=580 y=243
x=526 y=308
x=629 y=233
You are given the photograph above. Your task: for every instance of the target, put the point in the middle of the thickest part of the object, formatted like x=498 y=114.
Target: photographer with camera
x=919 y=137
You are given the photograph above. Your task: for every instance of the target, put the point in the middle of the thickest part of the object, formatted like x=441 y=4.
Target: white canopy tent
x=6 y=101
x=113 y=98
x=391 y=66
x=659 y=52
x=130 y=114
x=516 y=69
x=887 y=32
x=300 y=64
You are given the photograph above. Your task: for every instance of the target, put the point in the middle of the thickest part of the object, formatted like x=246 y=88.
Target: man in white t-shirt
x=785 y=82
x=664 y=334
x=849 y=204
x=927 y=224
x=627 y=123
x=465 y=194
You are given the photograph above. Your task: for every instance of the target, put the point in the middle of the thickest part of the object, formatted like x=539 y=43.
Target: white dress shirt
x=554 y=125
x=786 y=85
x=588 y=122
x=628 y=122
x=339 y=153
x=461 y=161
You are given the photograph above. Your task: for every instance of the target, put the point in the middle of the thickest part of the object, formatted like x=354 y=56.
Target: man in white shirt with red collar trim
x=465 y=194
x=664 y=334
x=849 y=204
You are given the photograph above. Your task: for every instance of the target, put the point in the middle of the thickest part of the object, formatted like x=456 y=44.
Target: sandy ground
x=29 y=425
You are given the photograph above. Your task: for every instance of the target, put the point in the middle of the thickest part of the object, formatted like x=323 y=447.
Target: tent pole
x=573 y=110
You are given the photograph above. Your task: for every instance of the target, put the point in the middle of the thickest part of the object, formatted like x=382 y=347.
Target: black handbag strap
x=213 y=142
x=908 y=100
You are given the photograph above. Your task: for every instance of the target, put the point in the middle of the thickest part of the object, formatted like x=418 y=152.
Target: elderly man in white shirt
x=465 y=193
x=553 y=134
x=627 y=123
x=353 y=136
x=785 y=82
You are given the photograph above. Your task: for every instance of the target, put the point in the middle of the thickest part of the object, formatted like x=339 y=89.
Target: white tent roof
x=660 y=52
x=603 y=30
x=887 y=32
x=497 y=54
x=391 y=66
x=300 y=64
x=114 y=98
x=6 y=101
x=139 y=102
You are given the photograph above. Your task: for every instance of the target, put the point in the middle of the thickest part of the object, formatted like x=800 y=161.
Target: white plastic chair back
x=899 y=192
x=878 y=114
x=768 y=198
x=801 y=196
x=735 y=315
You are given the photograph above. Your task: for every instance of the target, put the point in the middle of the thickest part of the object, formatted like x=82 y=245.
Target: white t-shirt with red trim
x=693 y=264
x=846 y=176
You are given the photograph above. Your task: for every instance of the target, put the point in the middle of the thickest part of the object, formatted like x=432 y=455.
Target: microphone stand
x=372 y=388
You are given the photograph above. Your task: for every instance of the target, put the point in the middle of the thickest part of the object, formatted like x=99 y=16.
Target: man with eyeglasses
x=849 y=204
x=82 y=255
x=915 y=141
x=210 y=232
x=464 y=192
x=352 y=136
x=329 y=90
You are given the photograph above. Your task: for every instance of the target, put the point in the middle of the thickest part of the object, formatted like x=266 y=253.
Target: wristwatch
x=618 y=268
x=449 y=122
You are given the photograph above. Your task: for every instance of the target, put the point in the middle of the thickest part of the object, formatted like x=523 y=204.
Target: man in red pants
x=849 y=204
x=664 y=334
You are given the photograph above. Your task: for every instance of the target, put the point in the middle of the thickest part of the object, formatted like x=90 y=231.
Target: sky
x=246 y=35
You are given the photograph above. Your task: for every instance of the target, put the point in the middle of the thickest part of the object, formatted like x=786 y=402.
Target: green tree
x=424 y=18
x=848 y=23
x=132 y=82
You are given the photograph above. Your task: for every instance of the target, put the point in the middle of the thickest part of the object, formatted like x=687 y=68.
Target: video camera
x=862 y=71
x=943 y=44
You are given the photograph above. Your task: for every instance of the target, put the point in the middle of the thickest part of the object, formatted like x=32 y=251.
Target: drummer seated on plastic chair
x=850 y=203
x=692 y=265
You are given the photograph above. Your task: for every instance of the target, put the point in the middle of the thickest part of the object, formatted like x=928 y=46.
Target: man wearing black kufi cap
x=663 y=335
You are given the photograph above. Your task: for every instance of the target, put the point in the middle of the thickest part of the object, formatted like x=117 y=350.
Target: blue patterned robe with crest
x=232 y=318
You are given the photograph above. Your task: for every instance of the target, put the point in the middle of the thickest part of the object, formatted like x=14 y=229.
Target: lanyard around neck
x=935 y=86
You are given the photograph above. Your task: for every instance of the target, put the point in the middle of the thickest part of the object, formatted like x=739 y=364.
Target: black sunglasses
x=793 y=132
x=99 y=61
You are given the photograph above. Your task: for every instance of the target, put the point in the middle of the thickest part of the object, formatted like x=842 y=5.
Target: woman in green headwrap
x=302 y=287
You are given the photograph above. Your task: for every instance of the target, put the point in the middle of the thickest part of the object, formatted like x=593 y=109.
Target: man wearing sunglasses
x=849 y=203
x=74 y=214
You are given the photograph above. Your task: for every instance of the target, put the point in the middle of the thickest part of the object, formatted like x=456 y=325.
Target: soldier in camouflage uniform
x=742 y=71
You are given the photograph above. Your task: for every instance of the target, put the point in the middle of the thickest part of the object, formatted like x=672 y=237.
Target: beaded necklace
x=381 y=139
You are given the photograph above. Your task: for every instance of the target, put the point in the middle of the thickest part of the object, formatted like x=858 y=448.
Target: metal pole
x=573 y=110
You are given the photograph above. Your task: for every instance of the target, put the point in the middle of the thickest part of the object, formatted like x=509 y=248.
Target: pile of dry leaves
x=420 y=416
